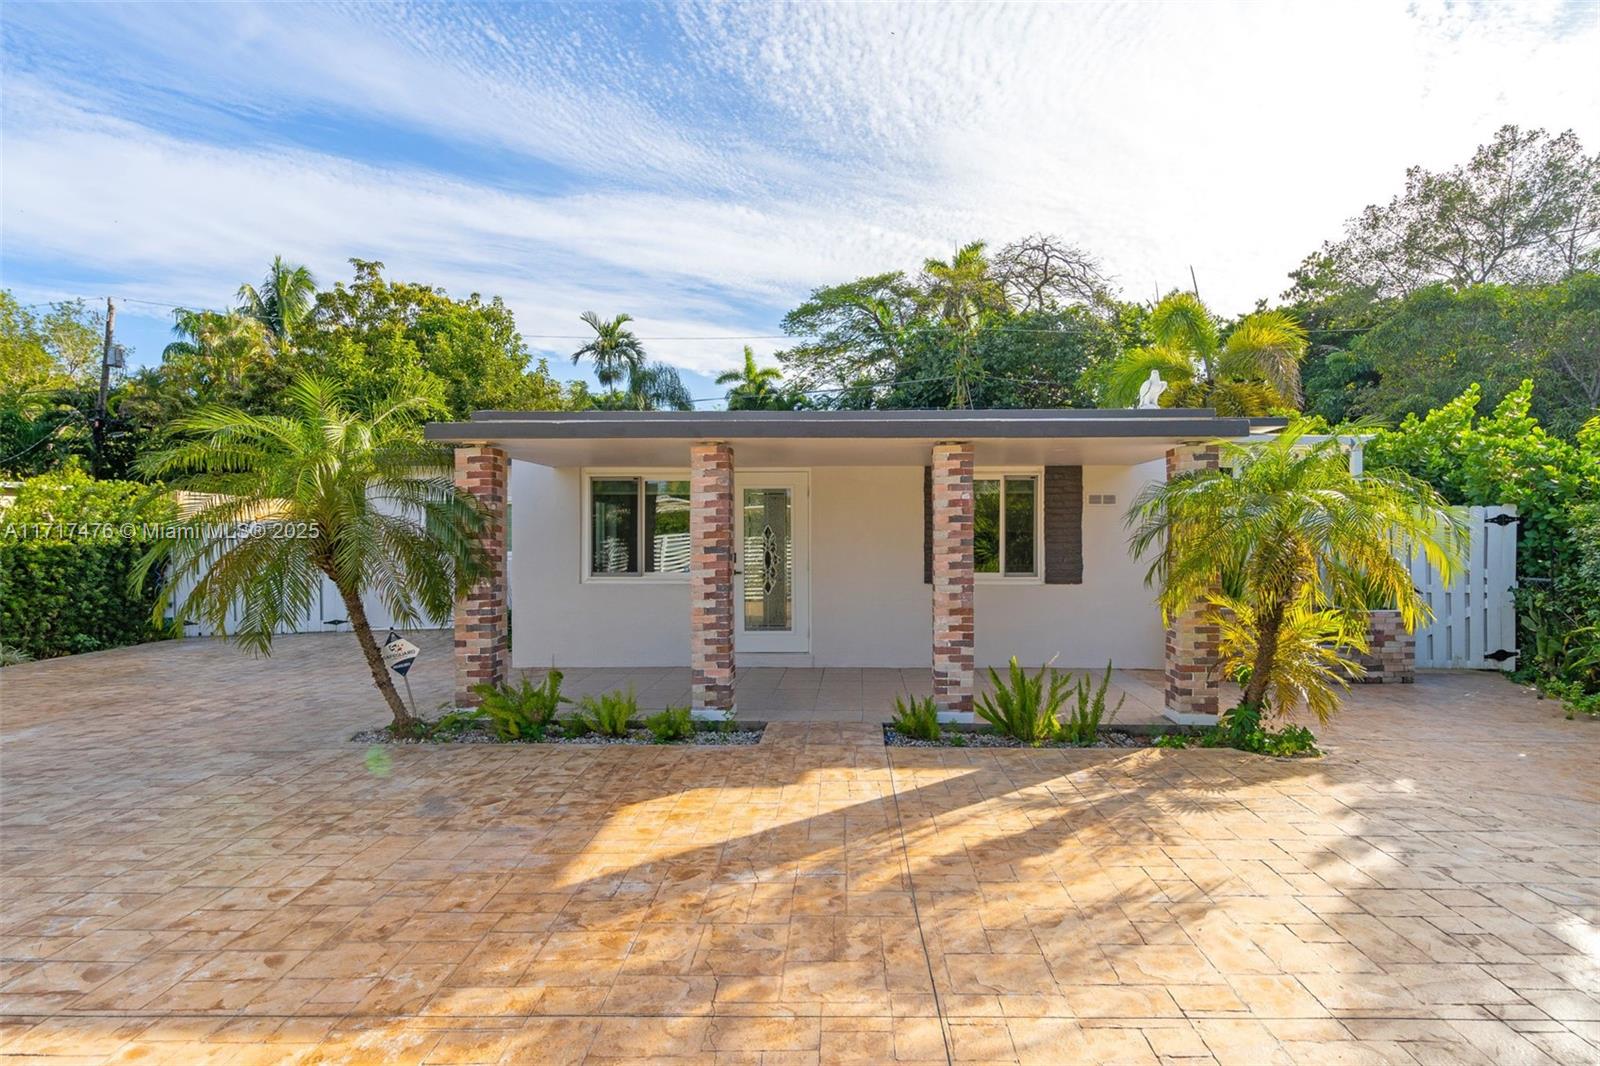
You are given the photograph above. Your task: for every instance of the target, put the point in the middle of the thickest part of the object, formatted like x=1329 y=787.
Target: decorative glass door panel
x=771 y=582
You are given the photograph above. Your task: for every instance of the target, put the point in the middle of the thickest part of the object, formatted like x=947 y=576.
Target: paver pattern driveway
x=199 y=867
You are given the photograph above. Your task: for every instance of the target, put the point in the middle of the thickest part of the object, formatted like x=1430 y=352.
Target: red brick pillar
x=953 y=632
x=711 y=540
x=480 y=615
x=1192 y=643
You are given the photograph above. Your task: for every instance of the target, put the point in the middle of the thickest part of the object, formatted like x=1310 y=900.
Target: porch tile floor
x=197 y=866
x=831 y=694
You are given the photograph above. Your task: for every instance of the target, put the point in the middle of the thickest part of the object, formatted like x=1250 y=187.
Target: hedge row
x=60 y=597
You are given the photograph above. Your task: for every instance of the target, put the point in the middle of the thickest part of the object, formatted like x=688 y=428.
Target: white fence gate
x=1474 y=623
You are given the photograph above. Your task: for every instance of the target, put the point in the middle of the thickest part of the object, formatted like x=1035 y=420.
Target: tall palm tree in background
x=619 y=359
x=614 y=351
x=282 y=303
x=962 y=292
x=757 y=388
x=1301 y=548
x=329 y=493
x=1256 y=371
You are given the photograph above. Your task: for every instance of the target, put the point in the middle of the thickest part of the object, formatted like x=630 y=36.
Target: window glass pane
x=1020 y=502
x=614 y=526
x=986 y=527
x=768 y=561
x=666 y=527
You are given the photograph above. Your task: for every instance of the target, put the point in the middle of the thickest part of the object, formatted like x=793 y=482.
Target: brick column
x=1391 y=655
x=711 y=541
x=480 y=615
x=1192 y=644
x=953 y=632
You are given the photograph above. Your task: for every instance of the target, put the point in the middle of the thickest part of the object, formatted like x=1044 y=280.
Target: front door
x=772 y=577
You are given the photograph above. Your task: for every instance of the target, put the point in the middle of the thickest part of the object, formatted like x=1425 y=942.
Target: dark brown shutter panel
x=927 y=525
x=1063 y=525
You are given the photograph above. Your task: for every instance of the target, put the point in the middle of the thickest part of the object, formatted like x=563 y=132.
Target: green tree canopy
x=379 y=336
x=1438 y=341
x=1524 y=208
x=960 y=333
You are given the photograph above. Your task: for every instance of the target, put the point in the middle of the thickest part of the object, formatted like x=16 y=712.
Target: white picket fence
x=327 y=614
x=1474 y=624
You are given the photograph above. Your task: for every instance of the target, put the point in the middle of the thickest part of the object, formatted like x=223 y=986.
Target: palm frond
x=1132 y=370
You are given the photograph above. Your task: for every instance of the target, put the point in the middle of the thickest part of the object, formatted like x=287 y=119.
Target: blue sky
x=703 y=166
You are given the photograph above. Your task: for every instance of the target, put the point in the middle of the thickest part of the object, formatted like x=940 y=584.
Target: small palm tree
x=319 y=492
x=1256 y=370
x=282 y=304
x=615 y=351
x=755 y=388
x=1304 y=547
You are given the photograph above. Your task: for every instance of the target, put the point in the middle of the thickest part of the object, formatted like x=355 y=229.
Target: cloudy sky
x=702 y=167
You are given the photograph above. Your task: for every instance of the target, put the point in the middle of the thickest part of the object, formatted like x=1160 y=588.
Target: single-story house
x=944 y=540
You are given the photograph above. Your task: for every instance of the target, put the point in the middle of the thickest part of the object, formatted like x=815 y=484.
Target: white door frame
x=797 y=639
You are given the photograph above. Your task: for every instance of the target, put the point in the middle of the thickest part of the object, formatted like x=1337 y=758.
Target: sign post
x=398 y=655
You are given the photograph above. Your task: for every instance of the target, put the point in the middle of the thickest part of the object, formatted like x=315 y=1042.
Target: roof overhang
x=843 y=438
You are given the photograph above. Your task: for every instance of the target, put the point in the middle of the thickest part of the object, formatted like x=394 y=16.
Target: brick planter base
x=1391 y=656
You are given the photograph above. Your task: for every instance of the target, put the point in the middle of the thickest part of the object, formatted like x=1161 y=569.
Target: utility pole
x=1194 y=282
x=99 y=425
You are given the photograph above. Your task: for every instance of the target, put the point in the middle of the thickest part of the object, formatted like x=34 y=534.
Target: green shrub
x=64 y=597
x=916 y=718
x=1241 y=729
x=672 y=724
x=522 y=711
x=10 y=656
x=1025 y=707
x=1170 y=740
x=1573 y=696
x=1082 y=726
x=610 y=713
x=455 y=723
x=68 y=544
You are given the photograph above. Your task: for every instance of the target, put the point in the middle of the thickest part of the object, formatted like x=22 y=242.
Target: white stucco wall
x=869 y=606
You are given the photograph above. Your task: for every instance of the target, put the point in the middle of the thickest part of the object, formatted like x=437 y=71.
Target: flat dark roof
x=1064 y=422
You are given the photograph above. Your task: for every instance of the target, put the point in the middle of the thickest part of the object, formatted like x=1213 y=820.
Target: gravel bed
x=1108 y=739
x=705 y=738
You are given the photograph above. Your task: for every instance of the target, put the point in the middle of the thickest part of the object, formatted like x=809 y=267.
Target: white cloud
x=706 y=168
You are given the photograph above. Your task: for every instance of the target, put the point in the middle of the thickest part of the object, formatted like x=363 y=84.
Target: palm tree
x=655 y=386
x=619 y=359
x=282 y=304
x=319 y=492
x=1302 y=546
x=615 y=351
x=215 y=349
x=756 y=388
x=1253 y=372
x=962 y=293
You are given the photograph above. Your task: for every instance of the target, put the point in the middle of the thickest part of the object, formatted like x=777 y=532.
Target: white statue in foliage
x=1150 y=392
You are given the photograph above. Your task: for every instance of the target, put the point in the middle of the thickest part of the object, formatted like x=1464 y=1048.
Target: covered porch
x=783 y=565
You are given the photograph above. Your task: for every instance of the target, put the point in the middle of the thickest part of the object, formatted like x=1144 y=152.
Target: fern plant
x=1082 y=725
x=609 y=714
x=522 y=711
x=672 y=724
x=1025 y=707
x=916 y=718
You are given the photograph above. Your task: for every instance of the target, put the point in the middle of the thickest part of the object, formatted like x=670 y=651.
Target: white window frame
x=1000 y=473
x=588 y=476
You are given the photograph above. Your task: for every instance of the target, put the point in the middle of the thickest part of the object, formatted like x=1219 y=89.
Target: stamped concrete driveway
x=199 y=867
